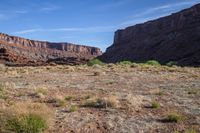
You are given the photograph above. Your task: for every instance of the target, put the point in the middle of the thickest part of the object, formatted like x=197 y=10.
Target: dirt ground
x=131 y=90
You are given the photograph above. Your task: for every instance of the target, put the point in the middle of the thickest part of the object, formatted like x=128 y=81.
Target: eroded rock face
x=172 y=38
x=22 y=51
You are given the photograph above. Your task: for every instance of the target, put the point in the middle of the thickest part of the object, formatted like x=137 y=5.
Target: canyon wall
x=171 y=38
x=18 y=50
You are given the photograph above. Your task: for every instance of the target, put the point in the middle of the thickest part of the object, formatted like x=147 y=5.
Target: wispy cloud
x=9 y=14
x=86 y=29
x=49 y=8
x=28 y=31
x=20 y=11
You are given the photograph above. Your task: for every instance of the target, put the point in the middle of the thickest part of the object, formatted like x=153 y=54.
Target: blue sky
x=87 y=22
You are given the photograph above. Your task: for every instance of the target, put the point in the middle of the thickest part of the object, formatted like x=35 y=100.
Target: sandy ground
x=133 y=89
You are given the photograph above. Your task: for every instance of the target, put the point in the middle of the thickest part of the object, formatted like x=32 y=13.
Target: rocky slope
x=172 y=38
x=20 y=51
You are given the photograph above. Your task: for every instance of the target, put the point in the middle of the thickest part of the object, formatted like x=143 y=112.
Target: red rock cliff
x=23 y=51
x=172 y=38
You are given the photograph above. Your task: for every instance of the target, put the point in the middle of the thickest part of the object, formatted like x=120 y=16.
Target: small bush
x=153 y=63
x=171 y=63
x=125 y=63
x=60 y=103
x=68 y=98
x=73 y=108
x=160 y=93
x=94 y=62
x=192 y=92
x=176 y=132
x=190 y=131
x=42 y=90
x=102 y=102
x=2 y=92
x=25 y=117
x=87 y=97
x=2 y=67
x=173 y=117
x=95 y=103
x=155 y=105
x=26 y=124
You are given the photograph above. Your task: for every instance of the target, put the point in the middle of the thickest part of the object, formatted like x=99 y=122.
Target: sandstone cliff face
x=172 y=38
x=23 y=51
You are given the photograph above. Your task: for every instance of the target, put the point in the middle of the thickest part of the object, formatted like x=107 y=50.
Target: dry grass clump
x=187 y=131
x=2 y=91
x=40 y=92
x=73 y=108
x=192 y=92
x=155 y=105
x=173 y=117
x=190 y=131
x=25 y=117
x=105 y=102
x=2 y=67
x=5 y=89
x=68 y=98
x=60 y=103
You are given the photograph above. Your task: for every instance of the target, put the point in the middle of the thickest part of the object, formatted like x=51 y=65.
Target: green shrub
x=190 y=131
x=125 y=63
x=102 y=102
x=171 y=63
x=25 y=117
x=160 y=93
x=2 y=92
x=96 y=103
x=26 y=124
x=72 y=108
x=68 y=98
x=176 y=132
x=87 y=97
x=192 y=92
x=155 y=105
x=60 y=103
x=173 y=117
x=94 y=62
x=153 y=63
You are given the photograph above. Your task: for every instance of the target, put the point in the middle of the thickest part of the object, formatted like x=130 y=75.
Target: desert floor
x=107 y=99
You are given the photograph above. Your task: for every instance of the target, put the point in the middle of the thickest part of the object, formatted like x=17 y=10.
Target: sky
x=86 y=22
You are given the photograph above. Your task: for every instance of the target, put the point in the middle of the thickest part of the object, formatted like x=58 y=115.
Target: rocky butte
x=20 y=51
x=171 y=38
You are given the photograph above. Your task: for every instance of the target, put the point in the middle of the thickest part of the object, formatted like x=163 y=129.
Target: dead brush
x=105 y=102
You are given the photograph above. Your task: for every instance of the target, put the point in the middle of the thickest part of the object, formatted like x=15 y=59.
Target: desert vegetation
x=99 y=97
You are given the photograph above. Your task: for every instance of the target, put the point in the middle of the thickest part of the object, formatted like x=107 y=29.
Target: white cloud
x=49 y=8
x=87 y=29
x=28 y=31
x=20 y=11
